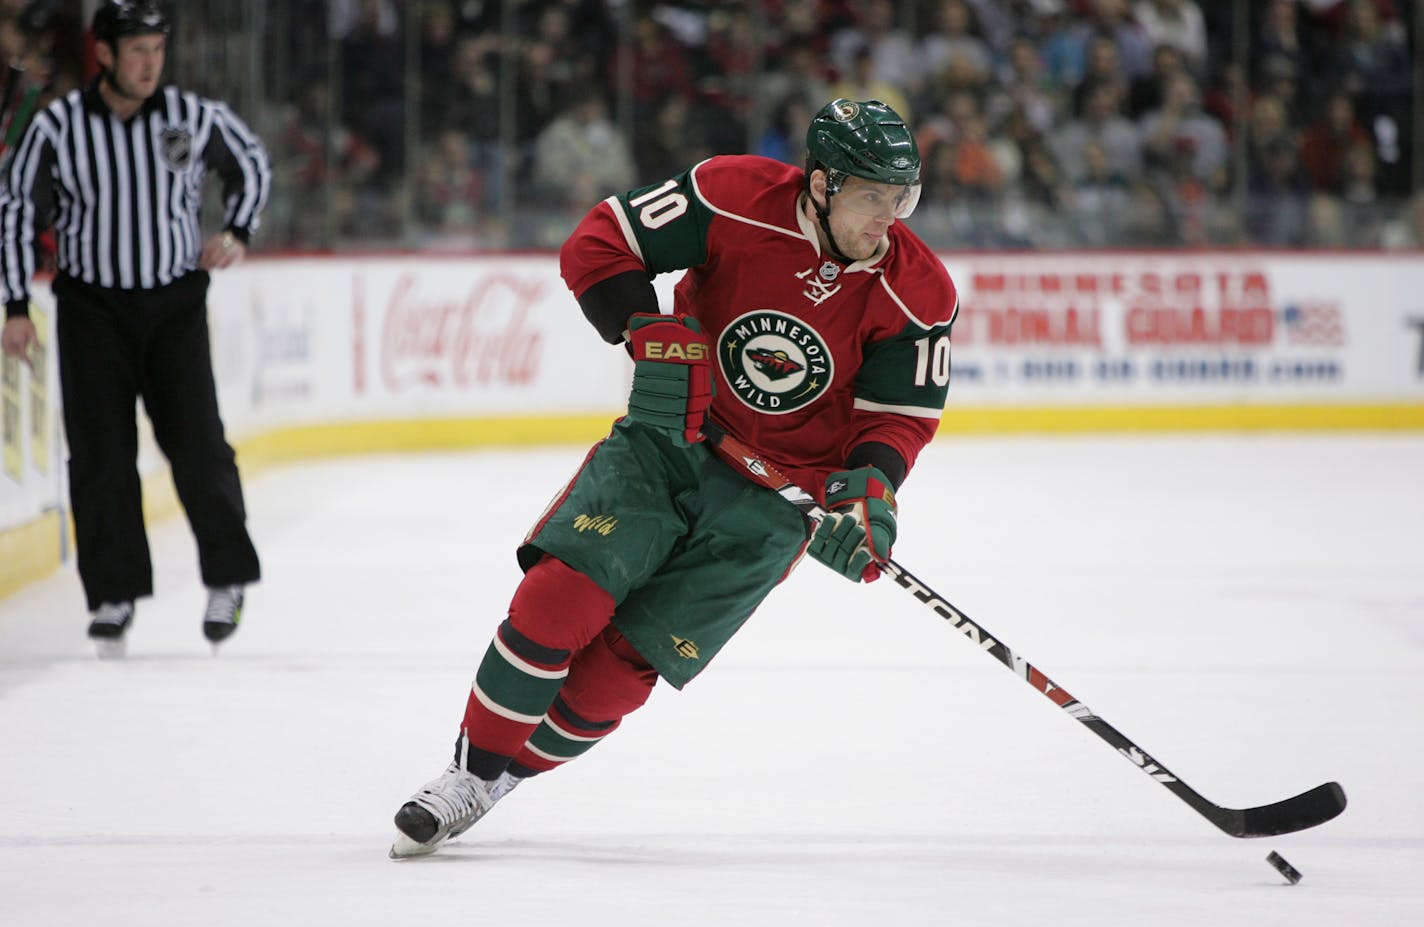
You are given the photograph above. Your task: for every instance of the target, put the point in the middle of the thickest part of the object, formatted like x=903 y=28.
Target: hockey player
x=810 y=325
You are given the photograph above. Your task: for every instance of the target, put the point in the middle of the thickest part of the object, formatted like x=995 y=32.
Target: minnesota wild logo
x=776 y=363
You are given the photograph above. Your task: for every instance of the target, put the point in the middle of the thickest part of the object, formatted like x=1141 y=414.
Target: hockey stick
x=1299 y=812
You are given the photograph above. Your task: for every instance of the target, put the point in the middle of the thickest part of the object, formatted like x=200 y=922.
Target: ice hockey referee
x=117 y=168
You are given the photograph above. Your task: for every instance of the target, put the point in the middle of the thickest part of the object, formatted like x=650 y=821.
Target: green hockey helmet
x=868 y=140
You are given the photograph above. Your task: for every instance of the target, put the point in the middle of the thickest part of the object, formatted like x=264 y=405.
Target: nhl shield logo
x=175 y=147
x=775 y=363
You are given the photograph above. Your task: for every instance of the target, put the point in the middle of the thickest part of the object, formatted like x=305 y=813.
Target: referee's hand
x=222 y=250
x=19 y=339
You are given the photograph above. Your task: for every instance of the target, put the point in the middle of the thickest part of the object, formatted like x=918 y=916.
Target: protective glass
x=878 y=200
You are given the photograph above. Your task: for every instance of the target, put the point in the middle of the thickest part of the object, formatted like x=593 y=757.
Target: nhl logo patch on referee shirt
x=175 y=147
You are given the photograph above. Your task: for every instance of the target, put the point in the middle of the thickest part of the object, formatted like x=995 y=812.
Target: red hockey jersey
x=813 y=357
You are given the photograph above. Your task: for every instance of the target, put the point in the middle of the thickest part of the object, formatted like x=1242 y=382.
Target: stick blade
x=1296 y=813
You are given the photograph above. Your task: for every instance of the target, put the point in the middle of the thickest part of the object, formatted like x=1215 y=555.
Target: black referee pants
x=116 y=346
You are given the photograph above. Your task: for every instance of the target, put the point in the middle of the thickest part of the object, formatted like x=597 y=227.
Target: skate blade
x=113 y=648
x=406 y=848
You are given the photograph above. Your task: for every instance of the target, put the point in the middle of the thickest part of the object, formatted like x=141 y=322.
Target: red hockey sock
x=555 y=612
x=607 y=680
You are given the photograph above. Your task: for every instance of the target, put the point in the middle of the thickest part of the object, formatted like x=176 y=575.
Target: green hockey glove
x=856 y=535
x=672 y=375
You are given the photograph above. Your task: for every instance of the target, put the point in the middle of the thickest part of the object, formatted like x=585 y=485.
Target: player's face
x=137 y=64
x=860 y=214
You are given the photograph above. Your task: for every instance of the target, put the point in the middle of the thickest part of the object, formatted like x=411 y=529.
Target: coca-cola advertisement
x=486 y=336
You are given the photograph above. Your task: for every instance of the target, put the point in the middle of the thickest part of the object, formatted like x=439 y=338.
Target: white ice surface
x=1250 y=610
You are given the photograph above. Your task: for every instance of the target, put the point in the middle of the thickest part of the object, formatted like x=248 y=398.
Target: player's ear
x=817 y=185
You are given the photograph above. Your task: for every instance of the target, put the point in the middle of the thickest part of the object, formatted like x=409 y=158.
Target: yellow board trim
x=1058 y=420
x=28 y=552
x=31 y=551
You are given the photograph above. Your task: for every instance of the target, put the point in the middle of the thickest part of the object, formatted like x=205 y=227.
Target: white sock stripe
x=552 y=757
x=524 y=666
x=500 y=710
x=570 y=735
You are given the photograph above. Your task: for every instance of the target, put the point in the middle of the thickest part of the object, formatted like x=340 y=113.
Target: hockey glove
x=856 y=535
x=672 y=375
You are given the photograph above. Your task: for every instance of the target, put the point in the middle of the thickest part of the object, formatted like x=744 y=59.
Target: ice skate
x=445 y=808
x=110 y=622
x=223 y=613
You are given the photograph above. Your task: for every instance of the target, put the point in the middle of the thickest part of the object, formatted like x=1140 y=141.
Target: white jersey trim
x=697 y=188
x=626 y=227
x=910 y=315
x=912 y=411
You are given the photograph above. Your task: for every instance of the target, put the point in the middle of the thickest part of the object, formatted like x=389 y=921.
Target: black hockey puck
x=1291 y=873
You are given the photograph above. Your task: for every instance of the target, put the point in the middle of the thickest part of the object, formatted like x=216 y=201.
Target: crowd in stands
x=1042 y=123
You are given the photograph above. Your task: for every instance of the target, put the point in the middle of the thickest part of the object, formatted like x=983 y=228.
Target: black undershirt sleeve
x=608 y=303
x=882 y=457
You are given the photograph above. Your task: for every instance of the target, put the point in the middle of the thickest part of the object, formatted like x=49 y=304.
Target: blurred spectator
x=1000 y=22
x=785 y=135
x=1150 y=224
x=1146 y=93
x=1113 y=18
x=1024 y=85
x=951 y=55
x=1324 y=144
x=1362 y=208
x=326 y=169
x=726 y=75
x=673 y=140
x=1119 y=138
x=1406 y=230
x=1178 y=24
x=449 y=188
x=580 y=157
x=437 y=55
x=1223 y=96
x=1043 y=183
x=804 y=24
x=372 y=70
x=1278 y=38
x=1104 y=66
x=1100 y=207
x=556 y=61
x=976 y=171
x=862 y=84
x=474 y=111
x=802 y=75
x=1180 y=134
x=1325 y=221
x=1064 y=50
x=947 y=212
x=659 y=66
x=1276 y=203
x=891 y=51
x=1371 y=55
x=1281 y=79
x=1268 y=125
x=347 y=16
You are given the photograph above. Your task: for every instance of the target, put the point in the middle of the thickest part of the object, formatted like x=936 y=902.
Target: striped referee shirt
x=124 y=196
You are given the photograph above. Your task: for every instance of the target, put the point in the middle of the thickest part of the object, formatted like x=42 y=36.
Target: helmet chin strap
x=823 y=215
